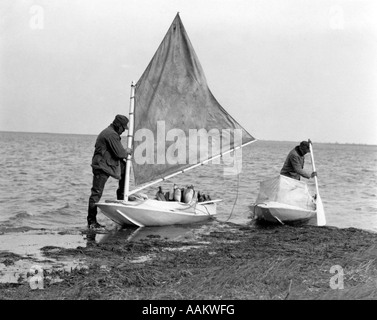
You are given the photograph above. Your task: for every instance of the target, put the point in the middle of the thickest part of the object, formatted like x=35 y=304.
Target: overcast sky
x=284 y=69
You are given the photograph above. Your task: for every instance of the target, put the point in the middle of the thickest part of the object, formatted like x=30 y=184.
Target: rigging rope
x=238 y=187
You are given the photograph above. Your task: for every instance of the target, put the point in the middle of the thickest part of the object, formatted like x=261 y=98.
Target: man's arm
x=117 y=148
x=296 y=164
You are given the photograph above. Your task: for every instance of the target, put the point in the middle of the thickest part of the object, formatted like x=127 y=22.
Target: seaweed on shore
x=231 y=262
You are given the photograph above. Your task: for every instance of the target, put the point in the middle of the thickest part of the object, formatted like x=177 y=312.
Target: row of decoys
x=182 y=194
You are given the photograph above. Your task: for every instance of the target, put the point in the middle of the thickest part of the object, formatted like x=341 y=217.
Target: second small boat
x=284 y=200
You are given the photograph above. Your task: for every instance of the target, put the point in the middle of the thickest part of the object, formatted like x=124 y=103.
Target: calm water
x=46 y=181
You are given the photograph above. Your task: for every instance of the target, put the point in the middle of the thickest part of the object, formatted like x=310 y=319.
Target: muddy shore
x=214 y=262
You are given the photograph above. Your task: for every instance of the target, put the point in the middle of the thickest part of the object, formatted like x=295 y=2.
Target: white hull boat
x=276 y=212
x=284 y=200
x=153 y=213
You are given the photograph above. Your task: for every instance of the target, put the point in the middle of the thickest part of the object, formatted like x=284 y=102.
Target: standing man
x=294 y=164
x=107 y=161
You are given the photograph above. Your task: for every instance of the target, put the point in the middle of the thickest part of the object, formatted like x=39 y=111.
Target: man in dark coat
x=294 y=164
x=107 y=161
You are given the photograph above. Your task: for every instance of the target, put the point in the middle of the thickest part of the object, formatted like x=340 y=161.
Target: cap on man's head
x=304 y=144
x=121 y=120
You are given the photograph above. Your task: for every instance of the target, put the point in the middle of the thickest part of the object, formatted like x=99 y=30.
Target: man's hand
x=128 y=152
x=314 y=174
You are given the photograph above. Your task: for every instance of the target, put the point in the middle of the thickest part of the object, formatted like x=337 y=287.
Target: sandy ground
x=210 y=261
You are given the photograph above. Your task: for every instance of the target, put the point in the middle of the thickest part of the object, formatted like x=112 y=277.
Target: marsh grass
x=233 y=262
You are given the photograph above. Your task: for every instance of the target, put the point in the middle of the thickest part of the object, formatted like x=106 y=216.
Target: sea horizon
x=256 y=139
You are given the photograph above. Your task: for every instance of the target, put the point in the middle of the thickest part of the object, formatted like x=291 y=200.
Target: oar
x=321 y=219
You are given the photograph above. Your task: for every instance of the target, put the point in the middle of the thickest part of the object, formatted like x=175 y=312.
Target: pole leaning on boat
x=129 y=141
x=321 y=219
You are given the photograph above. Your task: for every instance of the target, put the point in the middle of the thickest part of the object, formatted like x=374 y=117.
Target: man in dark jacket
x=294 y=164
x=107 y=161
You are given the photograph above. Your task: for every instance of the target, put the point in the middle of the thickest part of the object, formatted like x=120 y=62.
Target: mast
x=129 y=141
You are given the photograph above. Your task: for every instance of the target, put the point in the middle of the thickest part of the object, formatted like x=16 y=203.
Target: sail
x=178 y=122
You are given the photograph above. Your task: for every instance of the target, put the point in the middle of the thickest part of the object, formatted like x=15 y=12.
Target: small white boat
x=276 y=212
x=153 y=213
x=284 y=200
x=172 y=112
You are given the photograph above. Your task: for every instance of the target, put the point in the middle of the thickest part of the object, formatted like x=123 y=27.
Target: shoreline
x=212 y=261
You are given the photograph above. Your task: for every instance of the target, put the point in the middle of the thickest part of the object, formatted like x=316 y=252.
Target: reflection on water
x=170 y=233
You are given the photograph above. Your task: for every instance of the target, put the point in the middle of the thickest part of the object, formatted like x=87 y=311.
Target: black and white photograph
x=189 y=156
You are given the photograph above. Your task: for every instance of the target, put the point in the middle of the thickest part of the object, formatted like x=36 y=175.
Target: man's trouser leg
x=120 y=191
x=99 y=181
